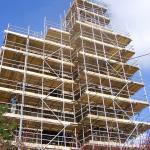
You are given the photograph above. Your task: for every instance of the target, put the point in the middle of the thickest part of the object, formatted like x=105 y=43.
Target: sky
x=130 y=16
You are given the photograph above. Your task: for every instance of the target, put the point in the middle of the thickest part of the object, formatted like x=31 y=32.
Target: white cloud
x=133 y=16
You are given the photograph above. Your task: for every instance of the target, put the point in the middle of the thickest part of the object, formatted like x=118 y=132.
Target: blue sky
x=32 y=12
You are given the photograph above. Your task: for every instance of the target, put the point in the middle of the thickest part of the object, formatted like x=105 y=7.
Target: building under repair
x=74 y=86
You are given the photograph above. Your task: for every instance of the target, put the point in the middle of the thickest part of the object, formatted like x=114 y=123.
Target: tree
x=6 y=129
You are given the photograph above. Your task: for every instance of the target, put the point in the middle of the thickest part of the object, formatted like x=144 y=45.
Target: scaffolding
x=76 y=86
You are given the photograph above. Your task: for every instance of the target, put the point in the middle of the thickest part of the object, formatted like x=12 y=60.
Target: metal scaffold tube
x=43 y=81
x=23 y=94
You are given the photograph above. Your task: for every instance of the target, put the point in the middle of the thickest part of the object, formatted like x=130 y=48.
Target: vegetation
x=6 y=129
